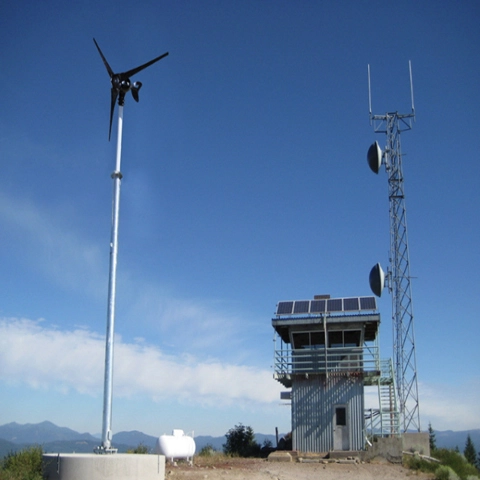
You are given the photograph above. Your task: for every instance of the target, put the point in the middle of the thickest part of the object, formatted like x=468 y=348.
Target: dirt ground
x=258 y=469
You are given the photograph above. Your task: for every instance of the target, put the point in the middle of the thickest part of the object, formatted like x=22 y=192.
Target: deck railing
x=326 y=360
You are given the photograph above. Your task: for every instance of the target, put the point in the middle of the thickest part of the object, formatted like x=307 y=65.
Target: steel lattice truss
x=392 y=124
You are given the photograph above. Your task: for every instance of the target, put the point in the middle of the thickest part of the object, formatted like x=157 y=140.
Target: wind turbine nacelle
x=377 y=280
x=374 y=157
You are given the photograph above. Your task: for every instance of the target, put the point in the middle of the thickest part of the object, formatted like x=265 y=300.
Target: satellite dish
x=377 y=280
x=374 y=157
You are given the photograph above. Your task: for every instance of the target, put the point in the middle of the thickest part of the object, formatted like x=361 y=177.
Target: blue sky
x=245 y=183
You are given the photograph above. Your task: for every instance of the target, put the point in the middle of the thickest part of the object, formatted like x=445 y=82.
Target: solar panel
x=368 y=303
x=334 y=305
x=284 y=308
x=350 y=304
x=301 y=306
x=317 y=306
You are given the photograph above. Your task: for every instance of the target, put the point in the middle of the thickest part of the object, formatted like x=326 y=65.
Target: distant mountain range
x=53 y=439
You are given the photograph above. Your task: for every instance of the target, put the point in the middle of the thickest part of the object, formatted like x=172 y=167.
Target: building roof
x=335 y=311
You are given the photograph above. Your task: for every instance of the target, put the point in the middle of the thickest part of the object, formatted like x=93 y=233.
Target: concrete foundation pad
x=118 y=466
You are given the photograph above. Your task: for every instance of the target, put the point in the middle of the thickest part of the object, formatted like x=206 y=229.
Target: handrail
x=333 y=359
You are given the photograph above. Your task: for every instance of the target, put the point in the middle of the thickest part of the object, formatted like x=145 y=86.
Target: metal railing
x=326 y=360
x=384 y=421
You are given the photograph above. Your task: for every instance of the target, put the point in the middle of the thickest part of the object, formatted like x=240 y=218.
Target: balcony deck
x=345 y=361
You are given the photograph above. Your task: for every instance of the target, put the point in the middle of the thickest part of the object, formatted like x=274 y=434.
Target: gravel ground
x=257 y=469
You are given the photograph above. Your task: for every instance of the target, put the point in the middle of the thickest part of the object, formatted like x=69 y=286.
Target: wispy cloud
x=450 y=408
x=40 y=356
x=39 y=237
x=446 y=408
x=45 y=240
x=199 y=325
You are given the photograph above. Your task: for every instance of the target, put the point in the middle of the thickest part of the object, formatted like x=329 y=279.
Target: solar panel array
x=329 y=305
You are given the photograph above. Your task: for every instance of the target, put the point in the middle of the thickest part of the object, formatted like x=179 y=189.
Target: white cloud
x=40 y=356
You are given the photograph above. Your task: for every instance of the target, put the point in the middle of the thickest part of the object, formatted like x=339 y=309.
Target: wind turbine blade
x=132 y=72
x=114 y=95
x=109 y=70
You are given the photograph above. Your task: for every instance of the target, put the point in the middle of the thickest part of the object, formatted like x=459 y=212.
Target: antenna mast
x=398 y=277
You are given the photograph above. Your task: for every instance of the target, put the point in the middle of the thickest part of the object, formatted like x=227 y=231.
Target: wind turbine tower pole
x=398 y=276
x=112 y=284
x=120 y=85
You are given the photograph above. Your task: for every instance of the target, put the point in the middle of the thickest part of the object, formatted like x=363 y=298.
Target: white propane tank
x=178 y=445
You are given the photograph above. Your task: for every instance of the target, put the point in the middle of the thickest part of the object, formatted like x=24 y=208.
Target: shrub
x=207 y=451
x=139 y=449
x=452 y=463
x=415 y=462
x=445 y=473
x=456 y=461
x=23 y=465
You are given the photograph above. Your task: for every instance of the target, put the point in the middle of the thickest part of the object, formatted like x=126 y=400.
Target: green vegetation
x=431 y=438
x=453 y=465
x=140 y=448
x=207 y=451
x=22 y=465
x=469 y=452
x=445 y=473
x=241 y=442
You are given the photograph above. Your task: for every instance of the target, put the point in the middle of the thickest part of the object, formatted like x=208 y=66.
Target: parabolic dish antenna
x=374 y=157
x=377 y=280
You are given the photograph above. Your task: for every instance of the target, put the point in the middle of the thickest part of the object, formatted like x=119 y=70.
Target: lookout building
x=326 y=351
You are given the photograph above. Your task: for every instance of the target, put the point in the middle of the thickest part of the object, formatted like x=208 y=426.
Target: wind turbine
x=121 y=84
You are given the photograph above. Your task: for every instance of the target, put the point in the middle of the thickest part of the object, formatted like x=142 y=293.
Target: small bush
x=415 y=462
x=139 y=449
x=23 y=465
x=445 y=473
x=207 y=451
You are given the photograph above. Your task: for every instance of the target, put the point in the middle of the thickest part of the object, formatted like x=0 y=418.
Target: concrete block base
x=90 y=466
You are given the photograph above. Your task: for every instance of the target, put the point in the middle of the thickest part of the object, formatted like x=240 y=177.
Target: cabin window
x=341 y=416
x=301 y=340
x=336 y=339
x=314 y=339
x=344 y=338
x=351 y=338
x=317 y=339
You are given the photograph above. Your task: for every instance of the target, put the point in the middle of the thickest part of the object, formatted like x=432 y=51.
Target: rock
x=279 y=456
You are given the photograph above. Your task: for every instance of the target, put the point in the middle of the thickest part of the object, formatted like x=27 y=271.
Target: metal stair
x=384 y=421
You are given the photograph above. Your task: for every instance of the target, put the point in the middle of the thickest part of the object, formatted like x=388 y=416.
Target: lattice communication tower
x=398 y=274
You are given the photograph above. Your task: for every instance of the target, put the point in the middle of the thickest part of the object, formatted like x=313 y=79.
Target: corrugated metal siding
x=313 y=409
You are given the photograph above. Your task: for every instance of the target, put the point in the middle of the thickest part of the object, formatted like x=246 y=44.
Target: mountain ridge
x=55 y=439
